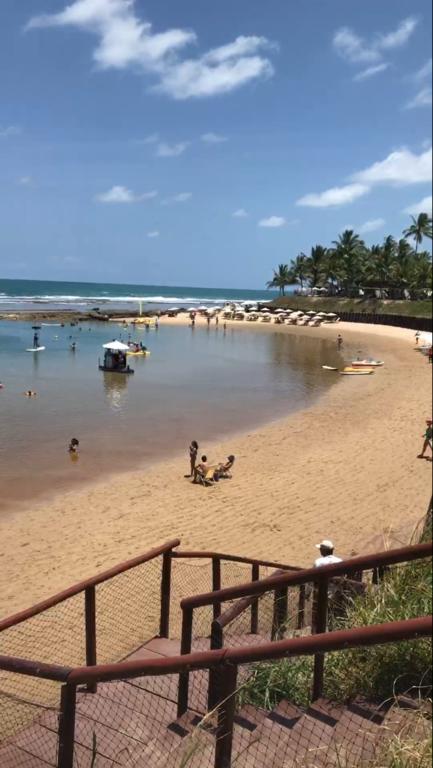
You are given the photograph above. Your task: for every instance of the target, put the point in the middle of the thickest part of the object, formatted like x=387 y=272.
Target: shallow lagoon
x=201 y=384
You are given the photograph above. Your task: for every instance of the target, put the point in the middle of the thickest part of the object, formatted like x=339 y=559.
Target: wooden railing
x=280 y=584
x=224 y=662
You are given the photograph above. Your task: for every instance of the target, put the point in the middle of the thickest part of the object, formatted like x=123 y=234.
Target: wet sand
x=346 y=469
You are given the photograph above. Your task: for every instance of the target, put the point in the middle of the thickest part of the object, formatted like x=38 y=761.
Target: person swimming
x=30 y=393
x=74 y=445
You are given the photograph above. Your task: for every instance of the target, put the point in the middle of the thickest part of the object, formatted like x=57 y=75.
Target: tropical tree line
x=394 y=269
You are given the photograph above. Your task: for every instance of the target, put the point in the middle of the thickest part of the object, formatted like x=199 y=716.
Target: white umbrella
x=266 y=310
x=280 y=311
x=173 y=309
x=311 y=312
x=116 y=346
x=332 y=314
x=202 y=309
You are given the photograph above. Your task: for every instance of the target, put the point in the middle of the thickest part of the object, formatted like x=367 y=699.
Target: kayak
x=368 y=364
x=329 y=368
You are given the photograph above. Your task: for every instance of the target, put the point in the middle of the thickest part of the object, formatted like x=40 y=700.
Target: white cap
x=326 y=544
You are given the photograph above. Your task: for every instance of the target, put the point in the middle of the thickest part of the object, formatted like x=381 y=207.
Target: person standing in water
x=340 y=341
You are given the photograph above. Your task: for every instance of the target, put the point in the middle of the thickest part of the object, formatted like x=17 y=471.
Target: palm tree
x=350 y=248
x=420 y=228
x=300 y=269
x=333 y=268
x=282 y=278
x=316 y=264
x=384 y=262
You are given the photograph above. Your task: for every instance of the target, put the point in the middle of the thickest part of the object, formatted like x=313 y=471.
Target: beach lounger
x=208 y=478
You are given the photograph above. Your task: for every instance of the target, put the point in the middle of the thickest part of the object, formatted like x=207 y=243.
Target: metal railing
x=279 y=585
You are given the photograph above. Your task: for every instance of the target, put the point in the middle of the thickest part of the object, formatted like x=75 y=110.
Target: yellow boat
x=357 y=371
x=145 y=353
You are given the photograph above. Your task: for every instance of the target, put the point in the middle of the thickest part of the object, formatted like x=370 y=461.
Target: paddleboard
x=36 y=349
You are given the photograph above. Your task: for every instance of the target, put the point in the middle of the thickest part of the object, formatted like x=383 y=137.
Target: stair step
x=266 y=741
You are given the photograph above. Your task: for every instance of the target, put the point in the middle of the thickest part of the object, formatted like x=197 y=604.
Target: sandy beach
x=345 y=469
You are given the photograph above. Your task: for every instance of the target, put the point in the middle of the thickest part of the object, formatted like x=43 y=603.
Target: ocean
x=47 y=294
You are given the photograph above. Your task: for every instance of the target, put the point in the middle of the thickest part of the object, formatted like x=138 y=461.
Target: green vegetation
x=377 y=673
x=364 y=306
x=392 y=270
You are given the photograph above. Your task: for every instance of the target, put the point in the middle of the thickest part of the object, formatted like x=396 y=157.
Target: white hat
x=326 y=544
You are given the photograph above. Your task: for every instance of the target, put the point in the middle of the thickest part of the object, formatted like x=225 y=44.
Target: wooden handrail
x=233 y=559
x=34 y=669
x=51 y=602
x=304 y=646
x=312 y=575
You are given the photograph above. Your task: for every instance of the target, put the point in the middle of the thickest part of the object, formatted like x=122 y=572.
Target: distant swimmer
x=30 y=393
x=74 y=446
x=73 y=347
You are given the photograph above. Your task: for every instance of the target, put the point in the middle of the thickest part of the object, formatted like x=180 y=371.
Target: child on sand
x=193 y=451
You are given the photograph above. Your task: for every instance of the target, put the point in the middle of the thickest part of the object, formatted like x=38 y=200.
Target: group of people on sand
x=201 y=471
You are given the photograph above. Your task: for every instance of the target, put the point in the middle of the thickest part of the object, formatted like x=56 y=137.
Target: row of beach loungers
x=286 y=318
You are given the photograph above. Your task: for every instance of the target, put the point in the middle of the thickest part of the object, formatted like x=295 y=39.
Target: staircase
x=133 y=724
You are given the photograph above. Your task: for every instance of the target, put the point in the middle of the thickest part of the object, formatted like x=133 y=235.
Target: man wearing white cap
x=327 y=556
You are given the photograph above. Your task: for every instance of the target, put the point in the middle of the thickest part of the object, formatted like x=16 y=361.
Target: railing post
x=90 y=614
x=68 y=700
x=255 y=574
x=216 y=643
x=164 y=627
x=281 y=612
x=185 y=649
x=216 y=584
x=321 y=626
x=226 y=717
x=301 y=607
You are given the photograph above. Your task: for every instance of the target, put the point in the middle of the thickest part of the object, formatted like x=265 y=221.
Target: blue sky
x=187 y=143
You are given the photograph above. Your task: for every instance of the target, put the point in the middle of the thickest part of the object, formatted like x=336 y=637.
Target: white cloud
x=356 y=50
x=399 y=36
x=182 y=197
x=422 y=78
x=273 y=222
x=241 y=214
x=371 y=226
x=10 y=130
x=402 y=167
x=424 y=206
x=213 y=138
x=335 y=197
x=152 y=139
x=424 y=73
x=127 y=41
x=370 y=72
x=153 y=235
x=122 y=195
x=172 y=150
x=353 y=48
x=422 y=99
